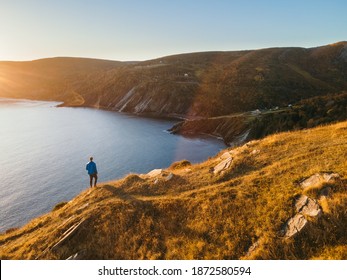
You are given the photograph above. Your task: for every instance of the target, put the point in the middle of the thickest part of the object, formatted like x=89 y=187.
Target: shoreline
x=177 y=118
x=162 y=129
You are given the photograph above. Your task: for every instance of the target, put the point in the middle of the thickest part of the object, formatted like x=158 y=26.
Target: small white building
x=256 y=112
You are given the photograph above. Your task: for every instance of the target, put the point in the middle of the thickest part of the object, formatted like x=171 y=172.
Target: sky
x=130 y=30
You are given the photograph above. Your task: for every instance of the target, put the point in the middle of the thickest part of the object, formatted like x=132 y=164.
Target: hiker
x=92 y=171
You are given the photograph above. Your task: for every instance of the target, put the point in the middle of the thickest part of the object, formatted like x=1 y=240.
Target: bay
x=44 y=149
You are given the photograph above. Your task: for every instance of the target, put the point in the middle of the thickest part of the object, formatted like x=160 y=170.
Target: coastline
x=178 y=118
x=159 y=152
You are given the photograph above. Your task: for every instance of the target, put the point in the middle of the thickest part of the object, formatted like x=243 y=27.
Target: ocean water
x=44 y=150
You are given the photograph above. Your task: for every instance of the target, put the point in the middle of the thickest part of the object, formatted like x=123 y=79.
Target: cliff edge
x=283 y=197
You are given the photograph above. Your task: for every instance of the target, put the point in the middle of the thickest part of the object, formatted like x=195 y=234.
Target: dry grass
x=198 y=215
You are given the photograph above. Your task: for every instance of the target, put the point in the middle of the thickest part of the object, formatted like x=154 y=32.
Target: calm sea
x=44 y=150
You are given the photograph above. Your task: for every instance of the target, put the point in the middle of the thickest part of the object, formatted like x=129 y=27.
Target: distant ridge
x=188 y=86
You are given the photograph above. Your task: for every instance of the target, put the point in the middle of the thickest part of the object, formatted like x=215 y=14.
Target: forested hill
x=189 y=85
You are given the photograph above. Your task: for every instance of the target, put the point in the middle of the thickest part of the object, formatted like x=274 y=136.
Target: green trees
x=305 y=114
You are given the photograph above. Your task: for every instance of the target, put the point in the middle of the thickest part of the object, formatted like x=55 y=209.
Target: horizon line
x=168 y=55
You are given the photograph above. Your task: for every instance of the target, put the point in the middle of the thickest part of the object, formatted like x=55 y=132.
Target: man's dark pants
x=95 y=176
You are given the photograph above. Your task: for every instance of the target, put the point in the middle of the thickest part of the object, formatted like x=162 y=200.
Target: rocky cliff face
x=235 y=129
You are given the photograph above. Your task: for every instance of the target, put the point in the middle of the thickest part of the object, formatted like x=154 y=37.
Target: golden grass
x=199 y=215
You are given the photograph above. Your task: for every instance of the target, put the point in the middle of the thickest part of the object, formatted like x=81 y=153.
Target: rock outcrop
x=234 y=130
x=155 y=173
x=294 y=225
x=318 y=179
x=224 y=164
x=306 y=206
x=160 y=174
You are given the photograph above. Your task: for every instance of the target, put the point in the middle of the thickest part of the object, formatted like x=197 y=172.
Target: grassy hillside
x=196 y=84
x=50 y=78
x=196 y=212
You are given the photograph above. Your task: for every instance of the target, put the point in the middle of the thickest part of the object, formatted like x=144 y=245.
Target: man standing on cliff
x=92 y=171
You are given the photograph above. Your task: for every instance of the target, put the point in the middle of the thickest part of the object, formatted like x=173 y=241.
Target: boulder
x=155 y=172
x=307 y=206
x=294 y=225
x=160 y=174
x=318 y=179
x=222 y=166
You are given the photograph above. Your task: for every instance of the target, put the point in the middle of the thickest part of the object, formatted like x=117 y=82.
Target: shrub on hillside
x=59 y=205
x=180 y=164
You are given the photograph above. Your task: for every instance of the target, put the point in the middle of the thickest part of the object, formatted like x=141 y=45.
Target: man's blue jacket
x=91 y=167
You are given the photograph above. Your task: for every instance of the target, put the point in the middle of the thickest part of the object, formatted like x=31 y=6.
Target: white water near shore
x=44 y=150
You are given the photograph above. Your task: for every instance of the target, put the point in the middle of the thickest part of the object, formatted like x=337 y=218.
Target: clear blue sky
x=144 y=29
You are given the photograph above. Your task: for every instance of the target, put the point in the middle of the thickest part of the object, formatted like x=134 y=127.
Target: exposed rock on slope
x=295 y=225
x=306 y=206
x=224 y=164
x=318 y=179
